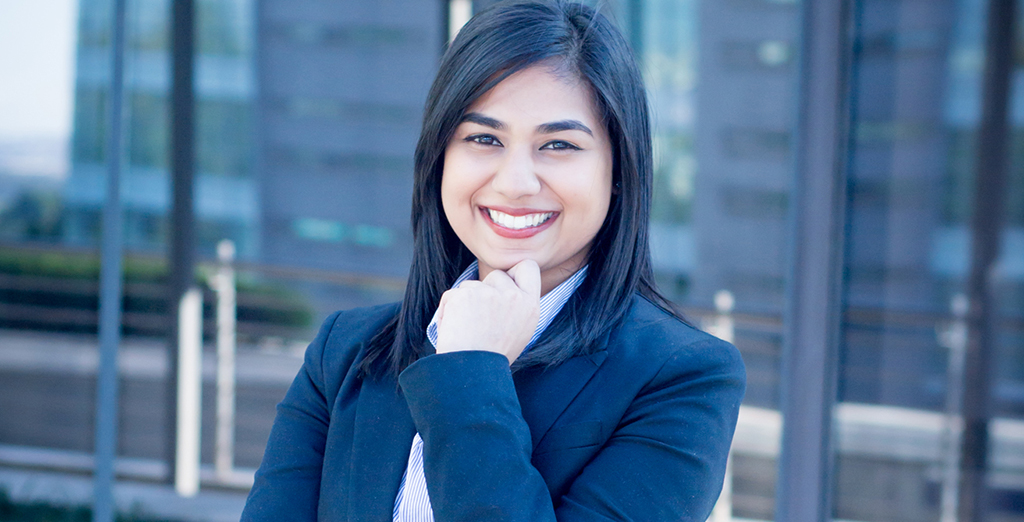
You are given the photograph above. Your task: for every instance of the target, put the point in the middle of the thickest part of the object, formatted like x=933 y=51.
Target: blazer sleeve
x=664 y=461
x=287 y=484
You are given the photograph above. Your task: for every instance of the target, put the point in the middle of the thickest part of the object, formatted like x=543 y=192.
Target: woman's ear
x=617 y=188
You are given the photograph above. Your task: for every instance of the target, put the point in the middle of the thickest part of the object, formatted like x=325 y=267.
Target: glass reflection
x=916 y=109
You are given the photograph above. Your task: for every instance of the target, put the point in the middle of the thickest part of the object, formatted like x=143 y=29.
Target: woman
x=532 y=371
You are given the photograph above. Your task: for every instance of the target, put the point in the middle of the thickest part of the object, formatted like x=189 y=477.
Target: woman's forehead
x=538 y=94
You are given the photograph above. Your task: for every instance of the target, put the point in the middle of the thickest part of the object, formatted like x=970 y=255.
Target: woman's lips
x=518 y=223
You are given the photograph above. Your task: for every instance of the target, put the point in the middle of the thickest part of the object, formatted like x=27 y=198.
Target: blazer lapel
x=380 y=450
x=544 y=393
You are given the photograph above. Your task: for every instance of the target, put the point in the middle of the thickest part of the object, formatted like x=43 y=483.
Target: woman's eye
x=483 y=139
x=559 y=145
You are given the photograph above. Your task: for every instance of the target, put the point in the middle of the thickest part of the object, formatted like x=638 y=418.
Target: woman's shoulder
x=343 y=336
x=655 y=336
x=357 y=323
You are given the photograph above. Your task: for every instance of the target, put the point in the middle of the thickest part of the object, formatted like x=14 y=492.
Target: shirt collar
x=550 y=304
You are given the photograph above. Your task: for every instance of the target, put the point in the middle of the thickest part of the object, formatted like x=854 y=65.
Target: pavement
x=47 y=405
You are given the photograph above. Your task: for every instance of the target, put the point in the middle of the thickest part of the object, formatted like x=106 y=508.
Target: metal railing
x=900 y=434
x=190 y=373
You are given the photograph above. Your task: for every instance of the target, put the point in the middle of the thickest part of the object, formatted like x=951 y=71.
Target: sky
x=37 y=68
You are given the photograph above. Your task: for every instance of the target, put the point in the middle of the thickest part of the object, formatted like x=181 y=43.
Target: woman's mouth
x=518 y=227
x=518 y=222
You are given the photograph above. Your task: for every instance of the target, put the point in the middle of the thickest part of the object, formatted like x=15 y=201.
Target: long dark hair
x=495 y=44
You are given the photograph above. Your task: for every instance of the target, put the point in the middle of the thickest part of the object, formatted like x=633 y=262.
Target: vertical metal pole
x=953 y=338
x=226 y=314
x=190 y=392
x=817 y=215
x=182 y=162
x=110 y=284
x=986 y=226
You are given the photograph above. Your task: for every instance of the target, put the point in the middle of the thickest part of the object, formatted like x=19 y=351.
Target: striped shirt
x=413 y=503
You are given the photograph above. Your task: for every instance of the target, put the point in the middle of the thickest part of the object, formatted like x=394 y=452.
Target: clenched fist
x=498 y=314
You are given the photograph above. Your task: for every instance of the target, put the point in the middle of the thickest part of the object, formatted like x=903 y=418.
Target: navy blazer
x=638 y=430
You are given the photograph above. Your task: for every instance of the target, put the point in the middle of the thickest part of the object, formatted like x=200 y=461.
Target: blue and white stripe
x=413 y=503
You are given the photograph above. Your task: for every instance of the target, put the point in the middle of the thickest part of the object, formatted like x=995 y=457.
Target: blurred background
x=306 y=117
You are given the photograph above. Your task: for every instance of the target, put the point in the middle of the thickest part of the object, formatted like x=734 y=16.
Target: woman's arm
x=476 y=445
x=287 y=485
x=664 y=461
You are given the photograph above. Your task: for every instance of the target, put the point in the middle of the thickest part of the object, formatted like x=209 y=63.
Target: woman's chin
x=503 y=263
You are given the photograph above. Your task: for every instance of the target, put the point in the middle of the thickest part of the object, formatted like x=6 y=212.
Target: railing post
x=190 y=389
x=723 y=327
x=224 y=285
x=954 y=338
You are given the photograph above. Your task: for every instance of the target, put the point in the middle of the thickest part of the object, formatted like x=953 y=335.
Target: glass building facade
x=913 y=167
x=307 y=114
x=227 y=194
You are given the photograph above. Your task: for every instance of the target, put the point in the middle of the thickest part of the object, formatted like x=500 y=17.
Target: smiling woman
x=532 y=371
x=528 y=175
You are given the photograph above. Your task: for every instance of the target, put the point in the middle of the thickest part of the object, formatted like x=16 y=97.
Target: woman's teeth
x=518 y=222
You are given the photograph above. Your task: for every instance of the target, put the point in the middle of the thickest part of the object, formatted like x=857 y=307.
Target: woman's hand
x=498 y=314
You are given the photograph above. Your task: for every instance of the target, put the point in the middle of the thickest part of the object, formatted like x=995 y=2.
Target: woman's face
x=528 y=175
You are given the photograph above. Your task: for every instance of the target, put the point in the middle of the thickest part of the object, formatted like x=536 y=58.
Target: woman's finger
x=499 y=280
x=526 y=275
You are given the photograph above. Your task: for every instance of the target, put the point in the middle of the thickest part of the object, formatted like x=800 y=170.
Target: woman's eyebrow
x=563 y=125
x=486 y=121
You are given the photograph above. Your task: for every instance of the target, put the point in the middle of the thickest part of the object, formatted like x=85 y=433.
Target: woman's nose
x=516 y=175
